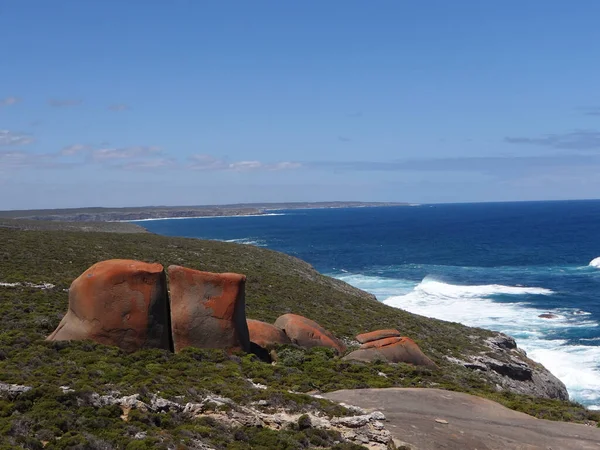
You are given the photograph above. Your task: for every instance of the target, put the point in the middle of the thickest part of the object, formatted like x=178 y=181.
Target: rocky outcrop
x=359 y=427
x=381 y=342
x=208 y=309
x=376 y=335
x=12 y=391
x=118 y=302
x=390 y=349
x=407 y=351
x=508 y=366
x=439 y=419
x=402 y=350
x=266 y=335
x=308 y=333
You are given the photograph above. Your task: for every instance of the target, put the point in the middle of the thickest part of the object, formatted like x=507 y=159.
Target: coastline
x=196 y=217
x=138 y=214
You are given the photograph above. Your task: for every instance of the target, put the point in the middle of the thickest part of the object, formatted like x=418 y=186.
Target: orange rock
x=208 y=310
x=118 y=302
x=375 y=335
x=365 y=355
x=407 y=351
x=403 y=350
x=266 y=335
x=381 y=342
x=307 y=333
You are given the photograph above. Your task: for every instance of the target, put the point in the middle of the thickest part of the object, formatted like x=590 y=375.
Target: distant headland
x=172 y=212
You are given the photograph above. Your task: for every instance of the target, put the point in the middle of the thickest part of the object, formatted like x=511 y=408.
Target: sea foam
x=595 y=263
x=247 y=241
x=477 y=305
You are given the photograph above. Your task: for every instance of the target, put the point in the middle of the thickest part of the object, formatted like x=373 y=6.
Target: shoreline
x=195 y=217
x=138 y=214
x=554 y=349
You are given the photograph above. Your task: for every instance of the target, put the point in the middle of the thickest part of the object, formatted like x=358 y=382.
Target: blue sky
x=147 y=102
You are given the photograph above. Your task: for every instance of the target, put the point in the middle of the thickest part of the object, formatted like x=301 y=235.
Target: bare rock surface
x=393 y=350
x=118 y=302
x=12 y=391
x=266 y=335
x=308 y=333
x=363 y=338
x=428 y=419
x=511 y=370
x=208 y=310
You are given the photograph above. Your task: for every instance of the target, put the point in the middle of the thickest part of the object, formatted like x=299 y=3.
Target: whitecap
x=379 y=286
x=247 y=241
x=574 y=365
x=474 y=305
x=595 y=263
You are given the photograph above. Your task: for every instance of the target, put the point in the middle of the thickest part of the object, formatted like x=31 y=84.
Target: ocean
x=492 y=265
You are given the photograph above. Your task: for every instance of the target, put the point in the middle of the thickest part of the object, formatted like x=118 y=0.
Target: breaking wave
x=508 y=309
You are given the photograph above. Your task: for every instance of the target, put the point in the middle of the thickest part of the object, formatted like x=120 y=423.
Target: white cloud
x=9 y=138
x=108 y=154
x=242 y=166
x=74 y=149
x=209 y=162
x=285 y=165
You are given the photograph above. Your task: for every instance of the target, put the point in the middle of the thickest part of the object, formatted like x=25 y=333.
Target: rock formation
x=386 y=345
x=381 y=342
x=377 y=334
x=266 y=335
x=308 y=333
x=118 y=302
x=208 y=309
x=510 y=368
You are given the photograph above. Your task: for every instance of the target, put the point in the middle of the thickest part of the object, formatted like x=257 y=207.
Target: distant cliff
x=165 y=212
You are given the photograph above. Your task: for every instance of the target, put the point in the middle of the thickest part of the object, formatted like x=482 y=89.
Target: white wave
x=247 y=241
x=576 y=365
x=472 y=305
x=378 y=286
x=595 y=263
x=432 y=287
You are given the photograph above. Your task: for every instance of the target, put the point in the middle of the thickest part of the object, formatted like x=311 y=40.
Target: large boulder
x=365 y=355
x=266 y=335
x=308 y=333
x=393 y=350
x=118 y=302
x=208 y=310
x=376 y=335
x=381 y=342
x=407 y=351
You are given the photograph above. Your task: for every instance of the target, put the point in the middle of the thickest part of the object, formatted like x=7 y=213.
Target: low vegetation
x=52 y=417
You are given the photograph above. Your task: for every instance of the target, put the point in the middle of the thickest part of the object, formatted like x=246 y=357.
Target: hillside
x=37 y=267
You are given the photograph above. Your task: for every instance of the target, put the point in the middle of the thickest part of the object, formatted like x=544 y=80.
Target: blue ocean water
x=497 y=265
